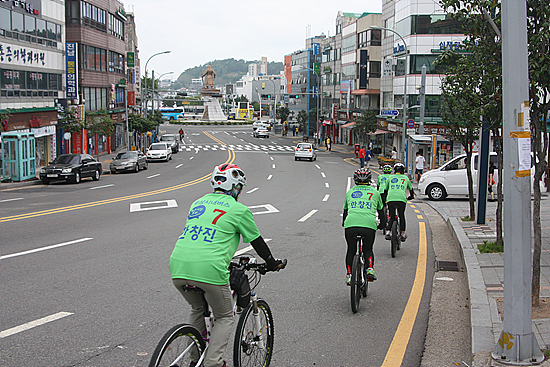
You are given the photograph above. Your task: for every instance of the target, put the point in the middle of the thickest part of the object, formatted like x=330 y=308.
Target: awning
x=348 y=126
x=378 y=132
x=427 y=139
x=342 y=122
x=361 y=92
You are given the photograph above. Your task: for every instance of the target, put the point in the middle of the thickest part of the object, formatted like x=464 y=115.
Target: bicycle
x=358 y=282
x=253 y=344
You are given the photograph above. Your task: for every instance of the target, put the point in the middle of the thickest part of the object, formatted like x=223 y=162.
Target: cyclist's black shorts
x=368 y=241
x=400 y=207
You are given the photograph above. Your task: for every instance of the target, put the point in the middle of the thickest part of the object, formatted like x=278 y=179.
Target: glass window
x=93 y=101
x=31 y=80
x=41 y=28
x=7 y=79
x=52 y=82
x=18 y=79
x=50 y=29
x=16 y=21
x=42 y=80
x=5 y=19
x=30 y=25
x=87 y=98
x=103 y=60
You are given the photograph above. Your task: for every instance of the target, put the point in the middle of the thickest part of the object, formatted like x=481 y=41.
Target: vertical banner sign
x=131 y=98
x=130 y=59
x=363 y=57
x=71 y=57
x=387 y=66
x=316 y=48
x=317 y=68
x=400 y=67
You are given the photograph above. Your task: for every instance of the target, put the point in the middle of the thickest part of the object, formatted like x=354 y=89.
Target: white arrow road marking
x=3 y=201
x=35 y=323
x=153 y=205
x=44 y=248
x=268 y=209
x=306 y=217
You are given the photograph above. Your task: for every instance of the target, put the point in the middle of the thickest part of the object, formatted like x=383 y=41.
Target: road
x=85 y=278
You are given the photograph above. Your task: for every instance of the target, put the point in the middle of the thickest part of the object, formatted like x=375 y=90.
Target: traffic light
x=297 y=96
x=269 y=96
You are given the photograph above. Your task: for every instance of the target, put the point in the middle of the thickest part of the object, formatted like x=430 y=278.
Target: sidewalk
x=486 y=275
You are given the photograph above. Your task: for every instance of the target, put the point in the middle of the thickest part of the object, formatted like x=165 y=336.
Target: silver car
x=261 y=132
x=128 y=161
x=305 y=151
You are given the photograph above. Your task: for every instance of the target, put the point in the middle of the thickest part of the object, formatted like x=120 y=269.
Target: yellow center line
x=398 y=346
x=230 y=159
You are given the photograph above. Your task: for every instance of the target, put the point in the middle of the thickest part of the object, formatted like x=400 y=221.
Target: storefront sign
x=387 y=66
x=23 y=55
x=131 y=98
x=30 y=6
x=389 y=112
x=35 y=122
x=71 y=56
x=43 y=131
x=130 y=59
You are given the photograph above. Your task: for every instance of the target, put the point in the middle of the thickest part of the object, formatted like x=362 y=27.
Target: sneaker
x=370 y=275
x=403 y=237
x=388 y=235
x=348 y=279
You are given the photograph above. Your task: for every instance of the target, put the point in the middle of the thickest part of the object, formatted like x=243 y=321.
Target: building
x=97 y=28
x=133 y=81
x=426 y=31
x=32 y=71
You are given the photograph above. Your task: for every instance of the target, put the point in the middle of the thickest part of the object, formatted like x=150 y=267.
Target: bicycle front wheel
x=254 y=336
x=356 y=283
x=182 y=345
x=394 y=238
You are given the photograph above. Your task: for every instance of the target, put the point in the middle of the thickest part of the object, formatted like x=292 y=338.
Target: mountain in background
x=228 y=71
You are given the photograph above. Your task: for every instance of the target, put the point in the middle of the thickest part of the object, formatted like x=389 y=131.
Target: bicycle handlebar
x=248 y=263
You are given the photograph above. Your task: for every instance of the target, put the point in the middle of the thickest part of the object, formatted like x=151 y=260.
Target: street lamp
x=153 y=82
x=144 y=110
x=275 y=92
x=405 y=87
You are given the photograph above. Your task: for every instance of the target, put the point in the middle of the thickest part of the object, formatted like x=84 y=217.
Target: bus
x=172 y=113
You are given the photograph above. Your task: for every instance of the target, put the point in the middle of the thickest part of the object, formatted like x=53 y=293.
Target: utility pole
x=422 y=100
x=517 y=344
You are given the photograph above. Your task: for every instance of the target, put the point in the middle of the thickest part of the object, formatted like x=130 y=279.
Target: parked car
x=172 y=142
x=128 y=161
x=159 y=152
x=261 y=132
x=71 y=168
x=305 y=150
x=451 y=178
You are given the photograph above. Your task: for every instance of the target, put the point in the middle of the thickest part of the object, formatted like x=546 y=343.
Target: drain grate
x=447 y=266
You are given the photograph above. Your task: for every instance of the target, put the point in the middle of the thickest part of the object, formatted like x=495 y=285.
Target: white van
x=451 y=178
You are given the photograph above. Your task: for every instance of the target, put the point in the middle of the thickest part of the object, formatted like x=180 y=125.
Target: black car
x=71 y=168
x=172 y=142
x=128 y=161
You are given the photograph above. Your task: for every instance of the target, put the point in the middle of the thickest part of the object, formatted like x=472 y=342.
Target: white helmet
x=228 y=178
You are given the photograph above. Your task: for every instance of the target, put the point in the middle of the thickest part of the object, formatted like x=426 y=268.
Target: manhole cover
x=447 y=266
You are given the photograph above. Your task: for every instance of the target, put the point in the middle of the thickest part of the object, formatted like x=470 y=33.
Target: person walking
x=182 y=134
x=329 y=144
x=368 y=155
x=419 y=166
x=491 y=180
x=394 y=153
x=362 y=154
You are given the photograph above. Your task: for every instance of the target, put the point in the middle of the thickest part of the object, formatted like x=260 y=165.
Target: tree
x=69 y=120
x=283 y=113
x=241 y=98
x=302 y=119
x=365 y=124
x=168 y=102
x=538 y=32
x=100 y=124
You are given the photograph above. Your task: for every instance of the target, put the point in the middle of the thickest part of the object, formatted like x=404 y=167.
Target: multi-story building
x=32 y=68
x=133 y=81
x=97 y=29
x=426 y=31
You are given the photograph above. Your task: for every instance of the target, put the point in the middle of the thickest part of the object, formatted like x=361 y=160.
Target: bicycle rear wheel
x=249 y=337
x=180 y=346
x=355 y=283
x=394 y=238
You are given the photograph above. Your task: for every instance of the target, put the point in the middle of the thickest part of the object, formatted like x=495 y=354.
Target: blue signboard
x=411 y=124
x=389 y=112
x=316 y=49
x=71 y=70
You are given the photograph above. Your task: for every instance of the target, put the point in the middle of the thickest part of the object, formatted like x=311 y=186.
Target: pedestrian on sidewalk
x=419 y=165
x=368 y=156
x=394 y=153
x=491 y=180
x=329 y=144
x=362 y=156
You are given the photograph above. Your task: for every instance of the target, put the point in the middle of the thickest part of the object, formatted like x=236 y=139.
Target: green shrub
x=490 y=247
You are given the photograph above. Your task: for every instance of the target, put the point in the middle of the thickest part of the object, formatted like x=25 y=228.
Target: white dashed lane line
x=326 y=184
x=269 y=177
x=251 y=191
x=6 y=200
x=323 y=174
x=35 y=323
x=326 y=197
x=45 y=248
x=273 y=166
x=179 y=165
x=317 y=166
x=158 y=174
x=308 y=215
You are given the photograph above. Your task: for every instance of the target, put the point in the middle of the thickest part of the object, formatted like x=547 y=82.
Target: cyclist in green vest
x=360 y=207
x=395 y=190
x=382 y=180
x=202 y=254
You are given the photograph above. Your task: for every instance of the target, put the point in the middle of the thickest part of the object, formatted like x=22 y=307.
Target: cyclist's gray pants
x=220 y=301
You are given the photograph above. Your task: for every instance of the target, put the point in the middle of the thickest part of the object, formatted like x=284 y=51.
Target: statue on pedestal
x=208 y=81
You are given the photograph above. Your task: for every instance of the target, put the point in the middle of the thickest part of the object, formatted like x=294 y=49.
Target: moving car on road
x=159 y=152
x=172 y=142
x=305 y=150
x=261 y=132
x=128 y=161
x=71 y=168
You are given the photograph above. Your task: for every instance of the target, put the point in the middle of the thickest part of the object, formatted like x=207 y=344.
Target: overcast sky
x=198 y=31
